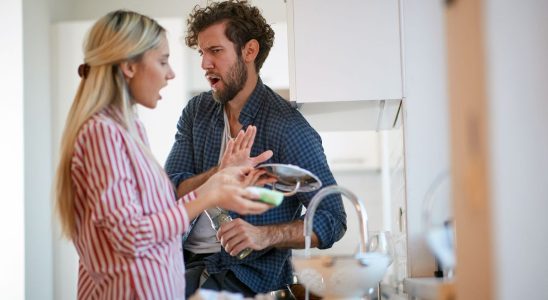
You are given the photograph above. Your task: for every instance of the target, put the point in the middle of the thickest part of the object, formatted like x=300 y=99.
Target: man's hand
x=237 y=235
x=238 y=151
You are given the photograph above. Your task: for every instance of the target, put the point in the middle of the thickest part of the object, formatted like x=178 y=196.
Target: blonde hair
x=118 y=37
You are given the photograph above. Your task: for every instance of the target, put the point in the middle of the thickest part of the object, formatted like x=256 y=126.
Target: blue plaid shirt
x=282 y=129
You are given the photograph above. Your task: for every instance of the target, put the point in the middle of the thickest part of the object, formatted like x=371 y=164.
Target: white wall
x=517 y=74
x=71 y=10
x=38 y=143
x=425 y=119
x=394 y=201
x=12 y=257
x=161 y=122
x=366 y=184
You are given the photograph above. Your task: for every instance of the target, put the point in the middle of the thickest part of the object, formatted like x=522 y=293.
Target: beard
x=236 y=78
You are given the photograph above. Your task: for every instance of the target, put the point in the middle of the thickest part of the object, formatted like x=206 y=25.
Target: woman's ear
x=250 y=51
x=128 y=69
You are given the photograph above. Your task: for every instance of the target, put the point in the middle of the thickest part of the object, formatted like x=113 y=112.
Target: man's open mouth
x=213 y=79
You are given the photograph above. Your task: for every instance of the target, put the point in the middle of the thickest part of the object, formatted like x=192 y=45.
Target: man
x=234 y=40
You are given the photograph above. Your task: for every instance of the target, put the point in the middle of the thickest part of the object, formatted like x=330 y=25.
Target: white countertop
x=430 y=288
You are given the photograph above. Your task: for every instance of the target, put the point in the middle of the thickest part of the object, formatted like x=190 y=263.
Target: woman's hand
x=257 y=177
x=238 y=199
x=226 y=189
x=230 y=175
x=238 y=151
x=225 y=194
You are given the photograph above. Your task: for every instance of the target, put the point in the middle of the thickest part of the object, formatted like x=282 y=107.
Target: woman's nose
x=170 y=74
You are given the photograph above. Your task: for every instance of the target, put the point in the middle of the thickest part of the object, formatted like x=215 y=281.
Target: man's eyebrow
x=212 y=47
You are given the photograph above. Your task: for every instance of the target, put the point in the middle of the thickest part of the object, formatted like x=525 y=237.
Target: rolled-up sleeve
x=180 y=162
x=102 y=166
x=303 y=147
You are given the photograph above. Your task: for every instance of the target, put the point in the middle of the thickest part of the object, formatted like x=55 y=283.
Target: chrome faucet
x=358 y=205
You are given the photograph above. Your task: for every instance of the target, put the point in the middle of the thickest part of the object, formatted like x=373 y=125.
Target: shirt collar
x=253 y=104
x=251 y=107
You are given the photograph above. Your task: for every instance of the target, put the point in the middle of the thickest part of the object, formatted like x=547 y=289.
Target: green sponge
x=267 y=196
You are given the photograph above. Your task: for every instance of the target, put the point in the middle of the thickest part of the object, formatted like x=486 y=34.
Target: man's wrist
x=282 y=235
x=272 y=235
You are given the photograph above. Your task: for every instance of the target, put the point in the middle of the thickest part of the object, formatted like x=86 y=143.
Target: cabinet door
x=344 y=50
x=274 y=72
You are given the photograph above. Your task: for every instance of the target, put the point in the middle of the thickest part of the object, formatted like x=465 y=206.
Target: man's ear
x=128 y=69
x=250 y=51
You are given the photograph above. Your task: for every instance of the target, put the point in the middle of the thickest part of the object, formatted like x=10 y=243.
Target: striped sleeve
x=111 y=184
x=187 y=198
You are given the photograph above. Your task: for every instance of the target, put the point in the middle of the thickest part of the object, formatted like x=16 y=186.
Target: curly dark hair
x=244 y=23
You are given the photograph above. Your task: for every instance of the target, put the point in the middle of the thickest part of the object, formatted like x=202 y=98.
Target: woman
x=114 y=200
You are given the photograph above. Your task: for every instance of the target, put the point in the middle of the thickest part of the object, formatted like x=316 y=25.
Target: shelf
x=352 y=115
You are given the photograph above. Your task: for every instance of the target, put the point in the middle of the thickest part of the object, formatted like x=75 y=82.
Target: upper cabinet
x=347 y=50
x=275 y=70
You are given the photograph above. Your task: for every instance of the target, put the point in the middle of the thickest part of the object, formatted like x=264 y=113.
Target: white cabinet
x=352 y=150
x=275 y=70
x=345 y=50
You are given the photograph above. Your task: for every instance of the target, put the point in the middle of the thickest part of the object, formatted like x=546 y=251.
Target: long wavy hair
x=118 y=37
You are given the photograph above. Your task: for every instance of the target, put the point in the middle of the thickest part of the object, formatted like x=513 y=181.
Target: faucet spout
x=315 y=202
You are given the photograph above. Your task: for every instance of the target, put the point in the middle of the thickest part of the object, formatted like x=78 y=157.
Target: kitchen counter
x=430 y=288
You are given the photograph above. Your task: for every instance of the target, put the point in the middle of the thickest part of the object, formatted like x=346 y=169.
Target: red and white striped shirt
x=128 y=222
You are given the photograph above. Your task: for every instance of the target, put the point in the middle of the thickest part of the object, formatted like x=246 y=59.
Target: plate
x=291 y=178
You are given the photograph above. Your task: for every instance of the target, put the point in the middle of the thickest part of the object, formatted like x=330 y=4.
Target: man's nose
x=207 y=63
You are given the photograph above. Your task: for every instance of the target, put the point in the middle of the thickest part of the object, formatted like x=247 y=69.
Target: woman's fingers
x=265 y=179
x=252 y=177
x=242 y=201
x=256 y=208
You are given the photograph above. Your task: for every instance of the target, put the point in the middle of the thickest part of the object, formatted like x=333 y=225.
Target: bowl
x=343 y=276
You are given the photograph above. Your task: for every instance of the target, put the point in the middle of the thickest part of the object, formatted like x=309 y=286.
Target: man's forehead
x=213 y=32
x=207 y=41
